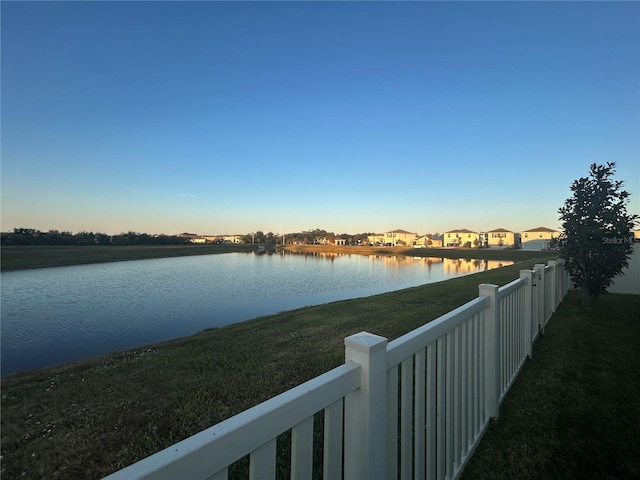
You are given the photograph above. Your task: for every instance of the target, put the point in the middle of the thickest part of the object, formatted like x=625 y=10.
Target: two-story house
x=399 y=238
x=375 y=239
x=538 y=238
x=461 y=238
x=431 y=241
x=502 y=238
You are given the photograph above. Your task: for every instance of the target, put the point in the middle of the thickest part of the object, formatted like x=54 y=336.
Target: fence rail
x=413 y=408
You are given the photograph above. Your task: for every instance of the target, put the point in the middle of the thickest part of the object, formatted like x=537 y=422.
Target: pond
x=56 y=315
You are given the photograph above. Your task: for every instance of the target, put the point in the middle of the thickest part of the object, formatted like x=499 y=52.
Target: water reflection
x=451 y=266
x=463 y=266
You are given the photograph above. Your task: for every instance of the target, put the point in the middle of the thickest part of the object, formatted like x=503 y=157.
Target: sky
x=233 y=117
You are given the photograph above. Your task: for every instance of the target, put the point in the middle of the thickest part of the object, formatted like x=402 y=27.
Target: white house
x=538 y=238
x=461 y=237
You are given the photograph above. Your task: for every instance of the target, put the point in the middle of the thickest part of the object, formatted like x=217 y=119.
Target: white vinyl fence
x=413 y=408
x=629 y=281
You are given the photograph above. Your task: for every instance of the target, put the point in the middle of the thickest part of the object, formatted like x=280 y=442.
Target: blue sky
x=232 y=117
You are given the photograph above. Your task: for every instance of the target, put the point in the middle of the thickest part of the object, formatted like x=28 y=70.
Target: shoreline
x=30 y=257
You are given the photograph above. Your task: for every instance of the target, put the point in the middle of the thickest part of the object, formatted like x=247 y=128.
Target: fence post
x=491 y=350
x=366 y=408
x=538 y=274
x=554 y=285
x=528 y=310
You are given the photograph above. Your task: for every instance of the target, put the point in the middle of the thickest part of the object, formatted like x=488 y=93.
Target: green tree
x=597 y=239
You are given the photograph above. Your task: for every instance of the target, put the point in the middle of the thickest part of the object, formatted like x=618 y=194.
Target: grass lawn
x=36 y=256
x=574 y=411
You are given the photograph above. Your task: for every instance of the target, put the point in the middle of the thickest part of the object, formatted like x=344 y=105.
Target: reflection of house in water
x=465 y=265
x=402 y=260
x=311 y=254
x=450 y=266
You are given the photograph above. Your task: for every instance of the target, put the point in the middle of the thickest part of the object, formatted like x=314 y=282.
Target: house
x=502 y=238
x=437 y=241
x=233 y=238
x=431 y=241
x=399 y=237
x=194 y=238
x=538 y=238
x=461 y=238
x=422 y=241
x=375 y=239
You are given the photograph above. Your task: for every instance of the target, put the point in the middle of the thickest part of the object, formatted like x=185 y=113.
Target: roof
x=541 y=229
x=460 y=230
x=500 y=230
x=400 y=231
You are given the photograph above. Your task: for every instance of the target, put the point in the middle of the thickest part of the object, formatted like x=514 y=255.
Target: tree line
x=31 y=236
x=306 y=237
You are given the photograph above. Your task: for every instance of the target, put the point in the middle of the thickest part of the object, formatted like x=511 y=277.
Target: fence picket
x=406 y=419
x=431 y=414
x=441 y=444
x=332 y=458
x=262 y=462
x=302 y=450
x=457 y=397
x=449 y=405
x=419 y=442
x=221 y=475
x=392 y=422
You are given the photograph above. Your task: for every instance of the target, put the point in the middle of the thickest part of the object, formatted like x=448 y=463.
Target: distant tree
x=259 y=237
x=597 y=238
x=103 y=239
x=84 y=238
x=270 y=238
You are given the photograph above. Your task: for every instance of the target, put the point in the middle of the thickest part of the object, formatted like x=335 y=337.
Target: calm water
x=57 y=315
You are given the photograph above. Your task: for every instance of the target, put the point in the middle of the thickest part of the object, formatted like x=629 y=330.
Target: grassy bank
x=467 y=253
x=89 y=419
x=19 y=258
x=574 y=411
